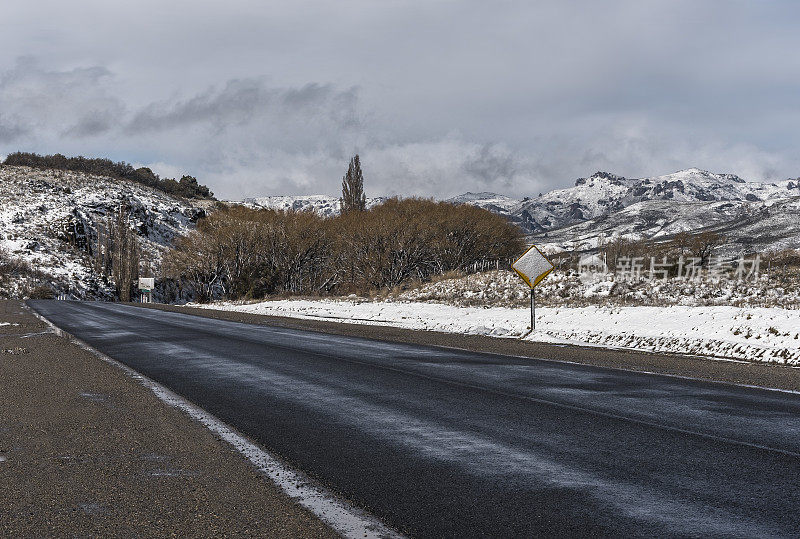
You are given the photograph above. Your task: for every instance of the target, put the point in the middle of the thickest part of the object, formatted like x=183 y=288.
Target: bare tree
x=101 y=253
x=118 y=252
x=703 y=245
x=353 y=198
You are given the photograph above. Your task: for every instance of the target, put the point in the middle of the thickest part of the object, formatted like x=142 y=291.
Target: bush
x=42 y=292
x=239 y=252
x=186 y=187
x=12 y=268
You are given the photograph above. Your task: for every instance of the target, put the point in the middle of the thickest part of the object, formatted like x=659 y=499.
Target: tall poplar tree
x=353 y=198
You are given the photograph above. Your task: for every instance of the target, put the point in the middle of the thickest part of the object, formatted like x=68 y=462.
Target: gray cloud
x=37 y=102
x=242 y=102
x=94 y=122
x=9 y=130
x=438 y=97
x=493 y=166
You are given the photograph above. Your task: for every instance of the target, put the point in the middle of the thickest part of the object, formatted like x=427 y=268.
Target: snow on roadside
x=749 y=334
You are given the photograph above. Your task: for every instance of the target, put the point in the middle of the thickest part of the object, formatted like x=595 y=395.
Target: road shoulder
x=733 y=372
x=86 y=450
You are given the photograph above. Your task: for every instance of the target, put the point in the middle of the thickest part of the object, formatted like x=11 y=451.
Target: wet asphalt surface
x=440 y=442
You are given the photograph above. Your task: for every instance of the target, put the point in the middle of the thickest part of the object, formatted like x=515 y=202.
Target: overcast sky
x=438 y=96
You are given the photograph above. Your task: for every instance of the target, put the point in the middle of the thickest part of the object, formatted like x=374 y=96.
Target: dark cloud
x=245 y=101
x=493 y=166
x=96 y=122
x=9 y=130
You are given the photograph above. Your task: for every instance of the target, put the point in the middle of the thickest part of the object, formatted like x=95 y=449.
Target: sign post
x=146 y=286
x=532 y=267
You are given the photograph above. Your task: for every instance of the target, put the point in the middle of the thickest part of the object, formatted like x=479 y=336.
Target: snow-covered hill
x=326 y=206
x=490 y=201
x=603 y=194
x=753 y=216
x=48 y=217
x=749 y=227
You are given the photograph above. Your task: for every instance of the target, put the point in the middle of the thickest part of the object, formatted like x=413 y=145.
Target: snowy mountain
x=753 y=216
x=603 y=194
x=326 y=206
x=748 y=227
x=490 y=201
x=49 y=219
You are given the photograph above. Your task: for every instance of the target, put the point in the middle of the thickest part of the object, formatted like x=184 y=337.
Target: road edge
x=344 y=518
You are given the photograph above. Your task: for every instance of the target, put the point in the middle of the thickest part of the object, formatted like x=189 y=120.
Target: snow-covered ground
x=723 y=332
x=568 y=288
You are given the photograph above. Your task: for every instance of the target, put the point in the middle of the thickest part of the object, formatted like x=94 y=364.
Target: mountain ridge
x=656 y=207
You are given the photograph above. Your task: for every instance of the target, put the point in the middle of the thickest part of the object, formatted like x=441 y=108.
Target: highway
x=446 y=443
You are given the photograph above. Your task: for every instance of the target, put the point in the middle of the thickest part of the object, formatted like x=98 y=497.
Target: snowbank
x=736 y=333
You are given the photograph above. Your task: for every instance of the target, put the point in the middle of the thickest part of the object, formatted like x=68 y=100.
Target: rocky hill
x=49 y=221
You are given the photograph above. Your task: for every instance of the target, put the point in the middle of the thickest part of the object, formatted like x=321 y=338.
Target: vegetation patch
x=186 y=187
x=240 y=252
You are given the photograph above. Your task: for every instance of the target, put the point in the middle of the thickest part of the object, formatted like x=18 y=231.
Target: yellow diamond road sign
x=532 y=266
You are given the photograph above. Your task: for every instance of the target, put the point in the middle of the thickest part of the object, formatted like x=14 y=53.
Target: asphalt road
x=440 y=442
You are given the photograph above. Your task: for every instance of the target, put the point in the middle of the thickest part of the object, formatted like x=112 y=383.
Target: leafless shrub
x=240 y=252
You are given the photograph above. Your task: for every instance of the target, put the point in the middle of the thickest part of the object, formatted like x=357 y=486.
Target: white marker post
x=532 y=267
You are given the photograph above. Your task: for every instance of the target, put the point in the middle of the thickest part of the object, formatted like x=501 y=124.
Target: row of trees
x=241 y=252
x=186 y=187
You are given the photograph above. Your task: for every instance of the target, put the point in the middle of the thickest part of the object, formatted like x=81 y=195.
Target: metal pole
x=533 y=309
